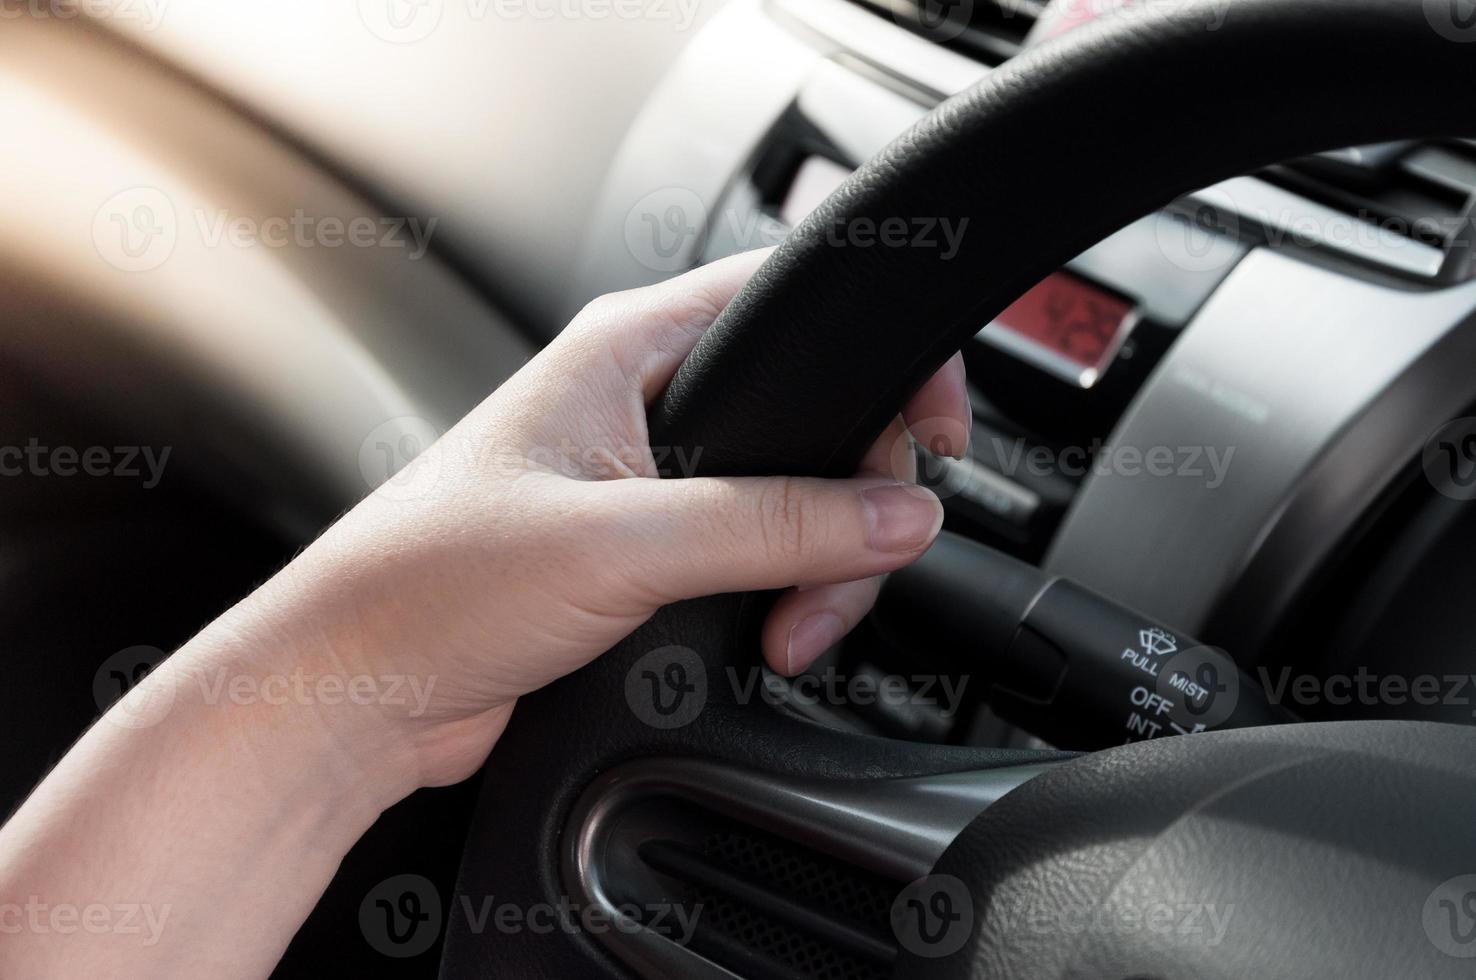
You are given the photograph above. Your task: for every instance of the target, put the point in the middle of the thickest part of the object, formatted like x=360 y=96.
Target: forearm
x=189 y=833
x=527 y=541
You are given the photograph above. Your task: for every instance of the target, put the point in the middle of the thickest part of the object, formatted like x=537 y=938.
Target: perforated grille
x=846 y=895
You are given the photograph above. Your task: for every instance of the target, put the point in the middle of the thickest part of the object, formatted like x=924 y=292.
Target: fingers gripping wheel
x=804 y=369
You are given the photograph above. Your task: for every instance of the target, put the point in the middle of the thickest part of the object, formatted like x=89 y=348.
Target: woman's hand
x=534 y=536
x=228 y=784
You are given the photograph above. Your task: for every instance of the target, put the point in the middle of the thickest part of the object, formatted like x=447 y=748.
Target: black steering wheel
x=1332 y=849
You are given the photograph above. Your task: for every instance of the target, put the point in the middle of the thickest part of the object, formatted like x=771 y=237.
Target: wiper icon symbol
x=1157 y=642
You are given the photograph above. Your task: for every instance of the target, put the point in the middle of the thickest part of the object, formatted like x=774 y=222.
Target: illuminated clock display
x=1070 y=319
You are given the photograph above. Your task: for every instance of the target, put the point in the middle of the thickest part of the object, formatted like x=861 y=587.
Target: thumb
x=706 y=536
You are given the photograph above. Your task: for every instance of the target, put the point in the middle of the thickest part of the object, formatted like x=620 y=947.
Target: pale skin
x=537 y=538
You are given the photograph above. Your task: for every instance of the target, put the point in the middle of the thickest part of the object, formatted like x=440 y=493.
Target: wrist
x=289 y=715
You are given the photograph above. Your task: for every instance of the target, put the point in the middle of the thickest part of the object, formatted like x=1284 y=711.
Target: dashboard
x=1215 y=415
x=1246 y=416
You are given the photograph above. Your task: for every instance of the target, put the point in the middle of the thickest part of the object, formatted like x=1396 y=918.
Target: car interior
x=1209 y=262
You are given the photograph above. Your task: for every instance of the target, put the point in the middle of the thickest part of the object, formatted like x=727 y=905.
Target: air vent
x=993 y=31
x=776 y=910
x=1418 y=191
x=717 y=872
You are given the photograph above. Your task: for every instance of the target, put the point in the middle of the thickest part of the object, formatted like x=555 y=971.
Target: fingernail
x=901 y=517
x=968 y=423
x=942 y=437
x=811 y=637
x=968 y=407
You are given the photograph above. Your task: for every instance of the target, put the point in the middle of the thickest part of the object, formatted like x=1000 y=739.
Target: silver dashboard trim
x=1284 y=370
x=1257 y=209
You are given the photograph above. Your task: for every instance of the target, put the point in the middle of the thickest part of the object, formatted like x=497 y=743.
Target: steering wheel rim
x=802 y=371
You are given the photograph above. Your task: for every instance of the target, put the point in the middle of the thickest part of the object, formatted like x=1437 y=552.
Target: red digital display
x=1070 y=318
